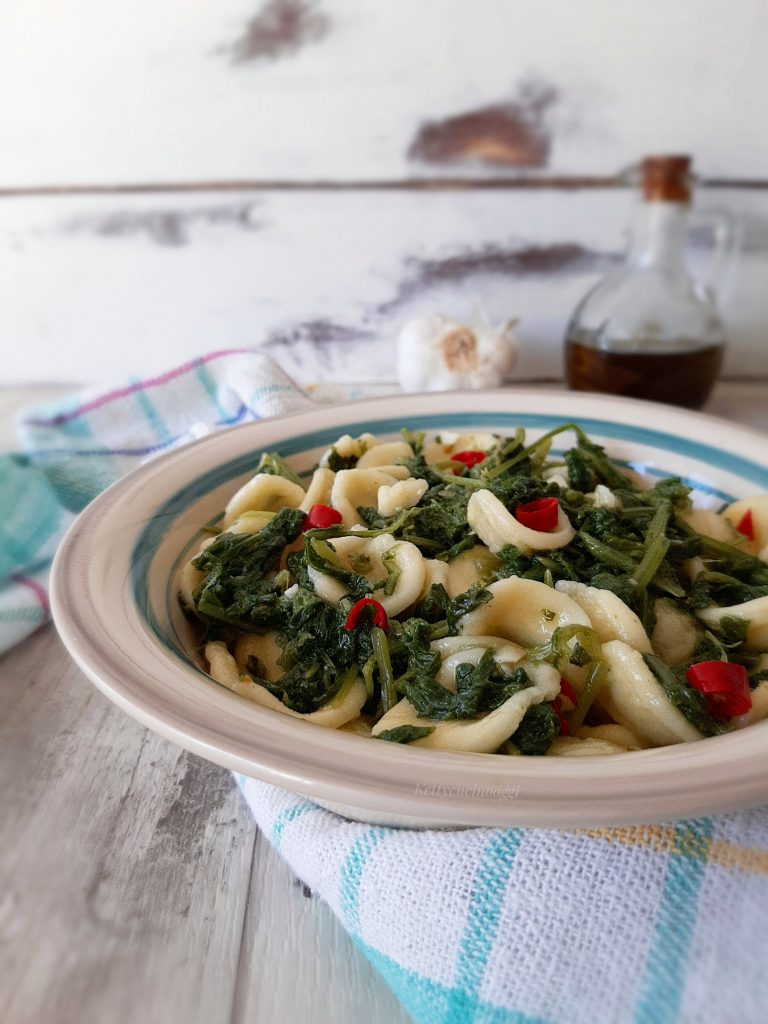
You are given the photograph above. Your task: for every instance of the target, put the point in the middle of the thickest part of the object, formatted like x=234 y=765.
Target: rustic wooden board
x=297 y=961
x=125 y=861
x=335 y=89
x=130 y=886
x=98 y=287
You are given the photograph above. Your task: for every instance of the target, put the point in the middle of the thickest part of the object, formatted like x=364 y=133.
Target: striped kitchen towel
x=649 y=925
x=652 y=925
x=73 y=449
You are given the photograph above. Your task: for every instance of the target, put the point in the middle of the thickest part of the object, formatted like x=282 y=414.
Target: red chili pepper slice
x=540 y=515
x=469 y=459
x=725 y=687
x=557 y=707
x=568 y=691
x=320 y=517
x=378 y=617
x=746 y=525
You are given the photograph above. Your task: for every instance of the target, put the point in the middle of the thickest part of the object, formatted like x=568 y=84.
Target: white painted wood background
x=103 y=91
x=199 y=98
x=94 y=287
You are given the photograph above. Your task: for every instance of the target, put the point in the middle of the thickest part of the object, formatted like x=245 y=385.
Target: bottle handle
x=727 y=229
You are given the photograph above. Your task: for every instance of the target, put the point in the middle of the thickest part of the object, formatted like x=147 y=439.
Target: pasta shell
x=359 y=488
x=497 y=527
x=759 y=709
x=265 y=492
x=675 y=634
x=758 y=506
x=190 y=577
x=349 y=447
x=709 y=524
x=449 y=444
x=524 y=611
x=603 y=497
x=448 y=645
x=755 y=612
x=359 y=726
x=394 y=498
x=576 y=746
x=633 y=697
x=482 y=735
x=557 y=475
x=610 y=617
x=476 y=565
x=435 y=572
x=693 y=566
x=319 y=490
x=387 y=454
x=223 y=669
x=456 y=650
x=613 y=733
x=251 y=522
x=264 y=648
x=357 y=551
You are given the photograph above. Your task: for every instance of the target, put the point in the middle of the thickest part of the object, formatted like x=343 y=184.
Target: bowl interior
x=176 y=532
x=115 y=585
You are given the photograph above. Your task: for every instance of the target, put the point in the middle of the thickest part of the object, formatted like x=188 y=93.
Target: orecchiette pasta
x=754 y=615
x=610 y=618
x=404 y=494
x=449 y=444
x=497 y=527
x=477 y=565
x=757 y=507
x=376 y=559
x=675 y=635
x=524 y=611
x=319 y=490
x=224 y=670
x=634 y=698
x=359 y=488
x=468 y=593
x=481 y=735
x=264 y=493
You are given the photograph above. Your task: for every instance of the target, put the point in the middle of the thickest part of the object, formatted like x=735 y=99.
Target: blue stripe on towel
x=662 y=988
x=352 y=874
x=287 y=816
x=489 y=886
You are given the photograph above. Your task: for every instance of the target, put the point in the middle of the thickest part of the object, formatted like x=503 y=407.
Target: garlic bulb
x=438 y=354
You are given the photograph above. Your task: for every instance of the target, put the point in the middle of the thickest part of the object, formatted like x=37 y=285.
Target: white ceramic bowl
x=114 y=603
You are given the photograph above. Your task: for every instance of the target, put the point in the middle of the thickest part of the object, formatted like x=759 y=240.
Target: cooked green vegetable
x=479 y=688
x=405 y=733
x=687 y=700
x=337 y=462
x=537 y=731
x=239 y=587
x=271 y=462
x=634 y=543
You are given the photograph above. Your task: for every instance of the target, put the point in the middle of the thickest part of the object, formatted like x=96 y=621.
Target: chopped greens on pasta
x=475 y=593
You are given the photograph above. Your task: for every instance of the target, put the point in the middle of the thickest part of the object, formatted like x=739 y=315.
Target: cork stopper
x=667 y=179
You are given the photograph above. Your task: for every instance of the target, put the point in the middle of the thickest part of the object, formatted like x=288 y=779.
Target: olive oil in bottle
x=647 y=329
x=680 y=375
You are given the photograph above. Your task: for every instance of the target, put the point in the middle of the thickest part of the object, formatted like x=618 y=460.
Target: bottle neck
x=659 y=235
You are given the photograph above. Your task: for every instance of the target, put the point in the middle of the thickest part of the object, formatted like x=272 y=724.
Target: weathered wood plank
x=125 y=867
x=298 y=963
x=324 y=279
x=124 y=861
x=290 y=89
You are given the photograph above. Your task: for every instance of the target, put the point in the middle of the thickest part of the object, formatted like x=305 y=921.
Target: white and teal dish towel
x=654 y=924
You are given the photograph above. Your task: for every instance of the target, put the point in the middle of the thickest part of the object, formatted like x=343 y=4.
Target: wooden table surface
x=134 y=886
